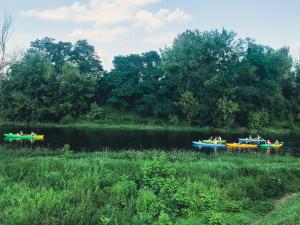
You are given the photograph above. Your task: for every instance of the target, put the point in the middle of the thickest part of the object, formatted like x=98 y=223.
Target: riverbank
x=280 y=130
x=39 y=186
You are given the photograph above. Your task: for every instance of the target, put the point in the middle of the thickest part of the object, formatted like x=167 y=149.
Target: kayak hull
x=271 y=145
x=238 y=145
x=15 y=136
x=208 y=145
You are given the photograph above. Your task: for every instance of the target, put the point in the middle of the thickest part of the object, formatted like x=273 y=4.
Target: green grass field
x=152 y=187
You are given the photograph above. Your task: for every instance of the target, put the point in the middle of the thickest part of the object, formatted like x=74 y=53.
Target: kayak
x=208 y=145
x=252 y=141
x=271 y=145
x=212 y=141
x=239 y=145
x=25 y=136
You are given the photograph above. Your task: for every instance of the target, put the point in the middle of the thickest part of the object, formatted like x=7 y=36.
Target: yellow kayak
x=238 y=145
x=39 y=137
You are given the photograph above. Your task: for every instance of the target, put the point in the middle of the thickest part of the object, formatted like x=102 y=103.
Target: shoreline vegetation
x=206 y=78
x=42 y=186
x=283 y=130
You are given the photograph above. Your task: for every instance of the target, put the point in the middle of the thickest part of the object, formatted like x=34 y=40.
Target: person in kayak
x=258 y=137
x=21 y=133
x=276 y=142
x=268 y=142
x=32 y=133
x=250 y=137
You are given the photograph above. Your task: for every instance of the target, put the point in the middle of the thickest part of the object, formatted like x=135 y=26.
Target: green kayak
x=271 y=145
x=25 y=136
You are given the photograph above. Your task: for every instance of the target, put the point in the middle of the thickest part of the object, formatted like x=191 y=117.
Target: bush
x=148 y=203
x=257 y=120
x=216 y=219
x=96 y=113
x=159 y=176
x=163 y=219
x=66 y=149
x=122 y=192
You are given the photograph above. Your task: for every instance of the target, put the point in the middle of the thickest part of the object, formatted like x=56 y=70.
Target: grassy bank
x=45 y=187
x=278 y=130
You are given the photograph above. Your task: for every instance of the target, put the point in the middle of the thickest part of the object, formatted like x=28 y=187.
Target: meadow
x=39 y=186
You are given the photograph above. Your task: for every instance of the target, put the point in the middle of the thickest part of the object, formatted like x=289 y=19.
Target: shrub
x=163 y=219
x=256 y=120
x=148 y=203
x=66 y=149
x=159 y=176
x=123 y=191
x=96 y=113
x=216 y=219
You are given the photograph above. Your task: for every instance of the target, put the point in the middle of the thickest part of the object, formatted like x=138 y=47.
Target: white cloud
x=62 y=13
x=156 y=20
x=99 y=34
x=111 y=12
x=113 y=26
x=102 y=12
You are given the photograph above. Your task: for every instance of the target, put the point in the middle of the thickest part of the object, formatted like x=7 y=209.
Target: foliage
x=213 y=77
x=258 y=120
x=226 y=109
x=96 y=113
x=38 y=186
x=189 y=106
x=159 y=176
x=81 y=53
x=34 y=92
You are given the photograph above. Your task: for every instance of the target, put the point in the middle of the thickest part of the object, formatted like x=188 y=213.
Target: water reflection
x=83 y=139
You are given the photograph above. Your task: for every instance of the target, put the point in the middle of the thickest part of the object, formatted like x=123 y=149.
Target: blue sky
x=117 y=27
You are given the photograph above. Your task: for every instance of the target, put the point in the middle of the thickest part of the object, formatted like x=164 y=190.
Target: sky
x=122 y=27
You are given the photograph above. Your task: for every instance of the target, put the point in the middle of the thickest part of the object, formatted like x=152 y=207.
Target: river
x=91 y=139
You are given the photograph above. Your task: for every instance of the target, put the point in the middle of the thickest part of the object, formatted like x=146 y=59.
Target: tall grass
x=131 y=187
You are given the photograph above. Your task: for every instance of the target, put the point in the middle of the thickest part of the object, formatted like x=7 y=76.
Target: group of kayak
x=249 y=142
x=21 y=135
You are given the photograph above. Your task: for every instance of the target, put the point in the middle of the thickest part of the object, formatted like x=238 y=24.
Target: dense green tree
x=208 y=78
x=85 y=56
x=189 y=106
x=136 y=83
x=81 y=53
x=202 y=63
x=76 y=91
x=34 y=92
x=29 y=92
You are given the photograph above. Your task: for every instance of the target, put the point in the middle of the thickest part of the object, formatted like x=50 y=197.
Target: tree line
x=205 y=78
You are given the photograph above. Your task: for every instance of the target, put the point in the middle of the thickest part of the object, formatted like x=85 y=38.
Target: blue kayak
x=208 y=145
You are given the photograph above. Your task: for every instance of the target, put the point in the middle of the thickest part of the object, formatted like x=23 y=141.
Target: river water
x=90 y=139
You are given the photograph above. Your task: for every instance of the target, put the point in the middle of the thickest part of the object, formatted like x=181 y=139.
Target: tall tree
x=202 y=63
x=82 y=54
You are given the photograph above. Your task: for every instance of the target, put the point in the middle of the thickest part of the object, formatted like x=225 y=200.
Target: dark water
x=84 y=139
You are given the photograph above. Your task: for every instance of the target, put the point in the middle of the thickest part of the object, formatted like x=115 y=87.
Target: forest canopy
x=205 y=78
